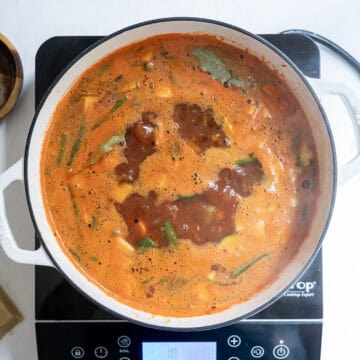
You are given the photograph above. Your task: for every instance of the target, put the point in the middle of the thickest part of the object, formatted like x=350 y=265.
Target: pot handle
x=7 y=241
x=351 y=101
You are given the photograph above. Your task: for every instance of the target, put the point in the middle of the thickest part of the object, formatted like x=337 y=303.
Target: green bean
x=74 y=254
x=104 y=148
x=103 y=69
x=63 y=140
x=116 y=232
x=148 y=280
x=93 y=222
x=173 y=284
x=76 y=147
x=76 y=211
x=170 y=233
x=74 y=204
x=98 y=123
x=145 y=244
x=109 y=144
x=118 y=103
x=240 y=270
x=246 y=161
x=187 y=197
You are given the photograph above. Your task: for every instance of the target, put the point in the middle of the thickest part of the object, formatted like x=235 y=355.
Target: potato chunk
x=121 y=192
x=89 y=101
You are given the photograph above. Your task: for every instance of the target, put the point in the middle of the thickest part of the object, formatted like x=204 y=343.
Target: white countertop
x=29 y=23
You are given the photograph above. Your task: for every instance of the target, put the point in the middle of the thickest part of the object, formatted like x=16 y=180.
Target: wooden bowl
x=11 y=75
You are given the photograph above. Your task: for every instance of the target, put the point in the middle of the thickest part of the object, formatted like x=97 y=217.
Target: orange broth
x=253 y=175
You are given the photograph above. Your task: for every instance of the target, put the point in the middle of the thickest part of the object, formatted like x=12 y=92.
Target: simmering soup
x=179 y=175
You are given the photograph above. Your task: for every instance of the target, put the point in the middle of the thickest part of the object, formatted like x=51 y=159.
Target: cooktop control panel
x=125 y=341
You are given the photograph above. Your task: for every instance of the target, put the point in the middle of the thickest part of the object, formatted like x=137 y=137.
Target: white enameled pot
x=50 y=253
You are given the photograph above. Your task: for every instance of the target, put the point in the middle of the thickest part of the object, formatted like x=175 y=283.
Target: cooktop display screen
x=179 y=350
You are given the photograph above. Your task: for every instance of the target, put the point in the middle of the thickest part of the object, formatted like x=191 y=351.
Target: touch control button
x=101 y=352
x=257 y=352
x=77 y=352
x=124 y=341
x=281 y=351
x=234 y=341
x=125 y=358
x=233 y=358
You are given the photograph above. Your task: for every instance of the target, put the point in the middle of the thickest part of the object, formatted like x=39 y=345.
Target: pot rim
x=163 y=20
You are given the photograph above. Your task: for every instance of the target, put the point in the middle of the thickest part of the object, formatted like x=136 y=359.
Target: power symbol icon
x=281 y=351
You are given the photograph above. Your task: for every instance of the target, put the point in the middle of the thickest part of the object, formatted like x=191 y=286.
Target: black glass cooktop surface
x=56 y=298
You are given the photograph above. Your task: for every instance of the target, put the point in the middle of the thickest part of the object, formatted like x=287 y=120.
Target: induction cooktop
x=69 y=326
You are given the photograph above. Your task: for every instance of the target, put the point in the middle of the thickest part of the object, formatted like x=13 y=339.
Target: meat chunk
x=202 y=218
x=140 y=143
x=198 y=127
